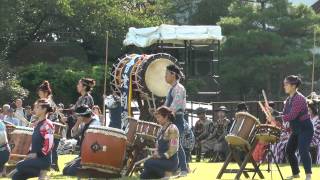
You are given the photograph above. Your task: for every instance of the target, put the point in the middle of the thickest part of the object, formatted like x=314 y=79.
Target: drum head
x=155 y=76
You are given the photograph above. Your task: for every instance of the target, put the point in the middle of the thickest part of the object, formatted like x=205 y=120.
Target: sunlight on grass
x=201 y=171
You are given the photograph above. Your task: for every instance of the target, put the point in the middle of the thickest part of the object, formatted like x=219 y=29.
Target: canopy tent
x=172 y=34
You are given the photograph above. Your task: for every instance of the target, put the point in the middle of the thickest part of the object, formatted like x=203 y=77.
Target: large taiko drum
x=103 y=149
x=147 y=74
x=243 y=129
x=20 y=142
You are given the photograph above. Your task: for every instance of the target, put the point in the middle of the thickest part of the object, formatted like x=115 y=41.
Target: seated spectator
x=28 y=113
x=201 y=130
x=315 y=143
x=5 y=109
x=20 y=112
x=11 y=119
x=98 y=114
x=216 y=142
x=188 y=142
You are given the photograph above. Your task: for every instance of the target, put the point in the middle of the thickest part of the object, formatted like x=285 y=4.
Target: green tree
x=83 y=21
x=63 y=77
x=264 y=44
x=209 y=12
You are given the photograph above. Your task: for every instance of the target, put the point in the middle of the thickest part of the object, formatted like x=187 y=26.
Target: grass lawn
x=202 y=171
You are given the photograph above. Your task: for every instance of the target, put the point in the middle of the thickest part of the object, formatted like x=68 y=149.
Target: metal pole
x=105 y=80
x=313 y=59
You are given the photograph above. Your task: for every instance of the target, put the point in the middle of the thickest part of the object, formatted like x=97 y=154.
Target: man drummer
x=84 y=120
x=176 y=101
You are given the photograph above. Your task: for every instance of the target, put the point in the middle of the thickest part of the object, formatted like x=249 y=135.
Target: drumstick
x=266 y=102
x=18 y=155
x=142 y=160
x=264 y=110
x=12 y=173
x=151 y=149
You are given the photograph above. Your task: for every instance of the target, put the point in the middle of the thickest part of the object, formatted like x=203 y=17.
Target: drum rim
x=114 y=85
x=231 y=136
x=152 y=123
x=101 y=168
x=249 y=115
x=268 y=126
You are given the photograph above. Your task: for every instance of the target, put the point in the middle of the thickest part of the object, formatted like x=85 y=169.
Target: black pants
x=72 y=168
x=4 y=157
x=301 y=141
x=30 y=168
x=54 y=151
x=156 y=168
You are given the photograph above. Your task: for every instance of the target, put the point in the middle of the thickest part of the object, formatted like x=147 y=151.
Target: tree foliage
x=264 y=44
x=63 y=77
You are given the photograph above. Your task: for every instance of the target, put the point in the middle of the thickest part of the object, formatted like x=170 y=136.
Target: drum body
x=268 y=133
x=20 y=143
x=58 y=130
x=10 y=128
x=148 y=130
x=131 y=130
x=103 y=149
x=243 y=129
x=148 y=73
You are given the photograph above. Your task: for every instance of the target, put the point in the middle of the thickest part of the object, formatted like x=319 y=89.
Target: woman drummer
x=45 y=92
x=84 y=88
x=296 y=113
x=39 y=157
x=4 y=147
x=165 y=158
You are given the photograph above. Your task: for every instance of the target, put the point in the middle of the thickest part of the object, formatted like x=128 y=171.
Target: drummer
x=84 y=115
x=84 y=88
x=176 y=101
x=296 y=113
x=45 y=92
x=39 y=157
x=165 y=158
x=4 y=148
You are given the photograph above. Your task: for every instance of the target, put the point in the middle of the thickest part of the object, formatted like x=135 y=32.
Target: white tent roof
x=173 y=34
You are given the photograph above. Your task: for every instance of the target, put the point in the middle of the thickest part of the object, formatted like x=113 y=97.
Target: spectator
x=1 y=114
x=201 y=130
x=11 y=119
x=97 y=114
x=28 y=110
x=112 y=102
x=315 y=143
x=188 y=142
x=5 y=109
x=20 y=112
x=215 y=142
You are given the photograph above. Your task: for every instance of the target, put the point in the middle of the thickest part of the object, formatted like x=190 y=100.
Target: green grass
x=202 y=171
